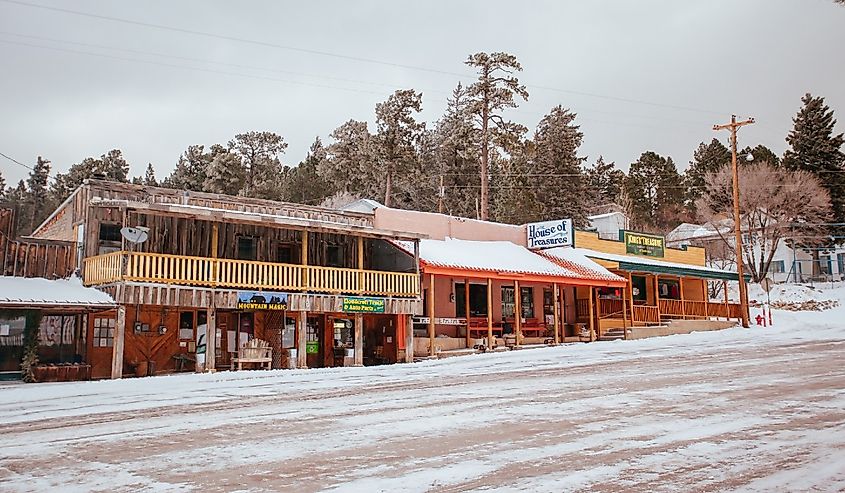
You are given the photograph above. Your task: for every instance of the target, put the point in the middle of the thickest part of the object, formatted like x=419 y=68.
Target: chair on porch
x=254 y=351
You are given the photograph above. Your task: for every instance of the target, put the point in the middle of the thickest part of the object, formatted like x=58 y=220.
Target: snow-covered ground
x=737 y=410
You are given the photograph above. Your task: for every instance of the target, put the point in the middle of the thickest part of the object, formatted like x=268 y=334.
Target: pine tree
x=815 y=148
x=493 y=92
x=760 y=154
x=513 y=188
x=150 y=176
x=304 y=183
x=604 y=183
x=260 y=153
x=114 y=166
x=397 y=134
x=111 y=165
x=708 y=158
x=654 y=187
x=456 y=151
x=558 y=181
x=38 y=206
x=349 y=161
x=189 y=173
x=2 y=187
x=224 y=174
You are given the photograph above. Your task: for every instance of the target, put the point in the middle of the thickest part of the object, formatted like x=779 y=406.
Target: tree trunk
x=388 y=187
x=484 y=160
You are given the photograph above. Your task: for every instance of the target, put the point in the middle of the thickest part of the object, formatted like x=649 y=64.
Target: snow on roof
x=366 y=206
x=689 y=231
x=605 y=215
x=576 y=261
x=631 y=259
x=504 y=256
x=37 y=291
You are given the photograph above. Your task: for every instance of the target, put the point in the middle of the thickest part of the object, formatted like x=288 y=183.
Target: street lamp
x=733 y=126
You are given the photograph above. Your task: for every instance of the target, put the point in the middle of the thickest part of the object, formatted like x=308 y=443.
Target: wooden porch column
x=301 y=340
x=489 y=313
x=706 y=295
x=624 y=316
x=683 y=301
x=556 y=295
x=215 y=269
x=466 y=310
x=118 y=342
x=592 y=317
x=431 y=334
x=359 y=339
x=517 y=312
x=727 y=305
x=211 y=338
x=304 y=260
x=360 y=264
x=409 y=340
x=656 y=284
x=631 y=296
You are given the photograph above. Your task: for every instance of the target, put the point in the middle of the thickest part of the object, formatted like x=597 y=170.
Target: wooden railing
x=671 y=308
x=229 y=273
x=696 y=309
x=646 y=314
x=582 y=308
x=609 y=308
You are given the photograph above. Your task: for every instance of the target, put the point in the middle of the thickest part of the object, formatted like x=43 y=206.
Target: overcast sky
x=74 y=86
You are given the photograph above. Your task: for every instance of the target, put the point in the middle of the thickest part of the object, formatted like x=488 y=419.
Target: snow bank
x=797 y=297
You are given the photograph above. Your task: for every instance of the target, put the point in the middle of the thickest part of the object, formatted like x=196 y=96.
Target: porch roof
x=37 y=292
x=642 y=264
x=506 y=260
x=258 y=218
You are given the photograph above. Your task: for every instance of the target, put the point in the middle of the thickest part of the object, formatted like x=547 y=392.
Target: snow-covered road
x=751 y=410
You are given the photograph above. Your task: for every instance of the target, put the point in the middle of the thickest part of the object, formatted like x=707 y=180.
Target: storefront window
x=477 y=300
x=186 y=326
x=638 y=289
x=344 y=334
x=509 y=303
x=669 y=289
x=103 y=332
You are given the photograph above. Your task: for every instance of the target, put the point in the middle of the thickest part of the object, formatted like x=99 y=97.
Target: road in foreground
x=752 y=410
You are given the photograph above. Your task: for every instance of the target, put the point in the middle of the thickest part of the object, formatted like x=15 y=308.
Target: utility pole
x=733 y=126
x=441 y=192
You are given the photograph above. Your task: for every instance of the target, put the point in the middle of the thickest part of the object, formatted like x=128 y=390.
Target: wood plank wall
x=51 y=259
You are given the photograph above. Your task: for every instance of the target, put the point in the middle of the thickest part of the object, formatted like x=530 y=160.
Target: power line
x=18 y=162
x=342 y=56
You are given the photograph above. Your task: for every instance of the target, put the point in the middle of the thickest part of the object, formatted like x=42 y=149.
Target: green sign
x=643 y=244
x=363 y=305
x=312 y=347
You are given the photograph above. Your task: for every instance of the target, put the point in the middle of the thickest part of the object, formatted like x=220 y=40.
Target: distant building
x=609 y=224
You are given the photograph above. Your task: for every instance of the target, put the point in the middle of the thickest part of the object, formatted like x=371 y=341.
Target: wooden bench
x=254 y=351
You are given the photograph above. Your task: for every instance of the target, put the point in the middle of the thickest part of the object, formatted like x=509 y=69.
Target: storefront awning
x=632 y=263
x=37 y=292
x=506 y=260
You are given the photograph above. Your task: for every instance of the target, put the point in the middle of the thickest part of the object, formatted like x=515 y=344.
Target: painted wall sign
x=262 y=300
x=549 y=234
x=441 y=321
x=363 y=305
x=643 y=244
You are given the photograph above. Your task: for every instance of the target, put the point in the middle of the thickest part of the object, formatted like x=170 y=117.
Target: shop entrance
x=380 y=345
x=341 y=332
x=314 y=336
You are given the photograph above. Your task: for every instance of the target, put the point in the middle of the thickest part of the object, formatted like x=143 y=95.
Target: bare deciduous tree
x=773 y=203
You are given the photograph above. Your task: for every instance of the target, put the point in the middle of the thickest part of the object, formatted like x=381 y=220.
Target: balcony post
x=727 y=305
x=431 y=331
x=631 y=296
x=359 y=339
x=215 y=268
x=360 y=264
x=624 y=315
x=118 y=341
x=301 y=340
x=467 y=310
x=556 y=301
x=592 y=321
x=409 y=339
x=211 y=341
x=304 y=258
x=656 y=285
x=517 y=312
x=489 y=314
x=706 y=295
x=683 y=301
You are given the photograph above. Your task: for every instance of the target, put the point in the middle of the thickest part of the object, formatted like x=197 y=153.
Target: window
x=186 y=326
x=777 y=267
x=285 y=254
x=477 y=300
x=110 y=232
x=824 y=264
x=840 y=262
x=509 y=303
x=669 y=289
x=333 y=257
x=103 y=332
x=247 y=248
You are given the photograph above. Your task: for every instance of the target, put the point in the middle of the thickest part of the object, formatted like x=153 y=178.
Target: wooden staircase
x=613 y=335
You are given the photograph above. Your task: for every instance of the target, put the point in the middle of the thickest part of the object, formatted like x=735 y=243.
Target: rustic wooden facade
x=204 y=249
x=33 y=257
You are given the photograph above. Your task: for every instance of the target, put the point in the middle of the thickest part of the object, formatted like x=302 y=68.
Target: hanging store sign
x=549 y=234
x=643 y=244
x=440 y=321
x=363 y=305
x=262 y=300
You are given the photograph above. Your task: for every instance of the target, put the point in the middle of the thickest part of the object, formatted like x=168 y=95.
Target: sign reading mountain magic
x=549 y=234
x=262 y=300
x=643 y=244
x=363 y=305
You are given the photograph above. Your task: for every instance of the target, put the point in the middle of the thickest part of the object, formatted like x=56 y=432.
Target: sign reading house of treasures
x=643 y=244
x=549 y=234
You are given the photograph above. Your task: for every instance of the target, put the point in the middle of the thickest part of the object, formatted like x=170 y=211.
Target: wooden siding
x=31 y=257
x=586 y=239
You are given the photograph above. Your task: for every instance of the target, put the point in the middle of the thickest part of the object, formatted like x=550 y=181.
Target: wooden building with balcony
x=323 y=287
